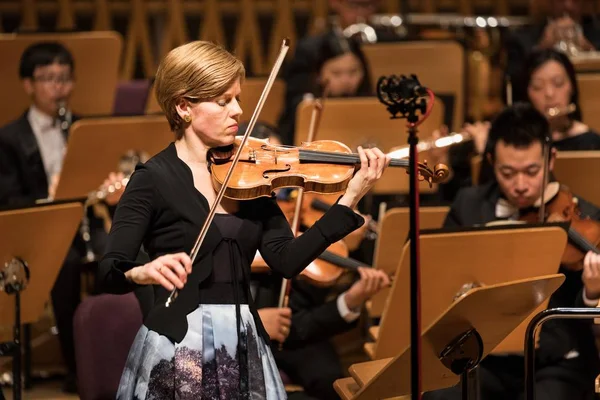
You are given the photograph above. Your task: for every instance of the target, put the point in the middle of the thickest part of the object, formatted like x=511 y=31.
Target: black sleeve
x=288 y=255
x=132 y=218
x=11 y=187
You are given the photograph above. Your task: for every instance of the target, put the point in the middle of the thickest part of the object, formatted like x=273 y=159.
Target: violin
x=323 y=272
x=583 y=233
x=313 y=208
x=322 y=166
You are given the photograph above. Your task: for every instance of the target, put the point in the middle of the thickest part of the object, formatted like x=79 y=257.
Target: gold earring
x=187 y=118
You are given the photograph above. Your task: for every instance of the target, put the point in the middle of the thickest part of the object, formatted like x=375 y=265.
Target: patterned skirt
x=205 y=364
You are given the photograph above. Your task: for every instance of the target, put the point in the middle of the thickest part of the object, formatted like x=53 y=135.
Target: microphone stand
x=399 y=99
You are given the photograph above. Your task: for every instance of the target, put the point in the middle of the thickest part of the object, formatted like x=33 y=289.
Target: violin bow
x=546 y=157
x=211 y=214
x=315 y=120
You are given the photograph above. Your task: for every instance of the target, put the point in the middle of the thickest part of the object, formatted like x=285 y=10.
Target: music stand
x=568 y=168
x=40 y=238
x=392 y=230
x=455 y=342
x=496 y=255
x=96 y=146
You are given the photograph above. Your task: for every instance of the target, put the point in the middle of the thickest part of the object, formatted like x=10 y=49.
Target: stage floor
x=43 y=390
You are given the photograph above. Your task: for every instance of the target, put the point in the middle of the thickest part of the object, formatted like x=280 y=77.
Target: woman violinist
x=209 y=343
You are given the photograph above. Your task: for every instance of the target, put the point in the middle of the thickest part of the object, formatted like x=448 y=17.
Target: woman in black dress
x=209 y=343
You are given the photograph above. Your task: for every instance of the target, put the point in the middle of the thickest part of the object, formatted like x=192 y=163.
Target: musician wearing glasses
x=32 y=149
x=548 y=82
x=567 y=359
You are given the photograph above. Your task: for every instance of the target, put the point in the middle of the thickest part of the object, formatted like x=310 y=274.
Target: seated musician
x=325 y=58
x=313 y=317
x=548 y=82
x=564 y=18
x=32 y=149
x=567 y=359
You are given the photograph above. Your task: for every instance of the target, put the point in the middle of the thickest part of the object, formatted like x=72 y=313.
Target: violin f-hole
x=266 y=172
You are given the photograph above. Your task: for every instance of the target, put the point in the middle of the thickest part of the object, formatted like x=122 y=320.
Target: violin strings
x=339 y=260
x=344 y=158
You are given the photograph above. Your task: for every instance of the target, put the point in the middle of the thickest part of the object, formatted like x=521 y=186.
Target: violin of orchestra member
x=327 y=58
x=32 y=149
x=549 y=83
x=567 y=360
x=209 y=343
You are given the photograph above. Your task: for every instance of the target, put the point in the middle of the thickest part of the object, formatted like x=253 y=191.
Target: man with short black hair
x=567 y=359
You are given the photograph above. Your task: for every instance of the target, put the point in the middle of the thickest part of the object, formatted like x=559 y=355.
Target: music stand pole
x=14 y=277
x=17 y=351
x=415 y=300
x=400 y=94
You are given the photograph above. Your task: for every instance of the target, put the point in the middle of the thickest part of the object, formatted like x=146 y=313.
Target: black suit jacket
x=476 y=206
x=315 y=317
x=22 y=176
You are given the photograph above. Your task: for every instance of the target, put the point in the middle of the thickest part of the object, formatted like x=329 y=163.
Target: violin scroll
x=439 y=174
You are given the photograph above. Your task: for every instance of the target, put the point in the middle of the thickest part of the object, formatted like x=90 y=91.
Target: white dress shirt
x=50 y=140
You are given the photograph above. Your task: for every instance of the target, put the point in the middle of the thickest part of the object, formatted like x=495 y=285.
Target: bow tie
x=505 y=210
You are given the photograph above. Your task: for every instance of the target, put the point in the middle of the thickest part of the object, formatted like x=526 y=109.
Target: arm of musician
x=11 y=183
x=130 y=223
x=288 y=255
x=312 y=321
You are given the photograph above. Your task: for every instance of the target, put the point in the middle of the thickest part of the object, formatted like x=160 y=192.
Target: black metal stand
x=13 y=279
x=538 y=320
x=13 y=349
x=462 y=356
x=401 y=96
x=415 y=278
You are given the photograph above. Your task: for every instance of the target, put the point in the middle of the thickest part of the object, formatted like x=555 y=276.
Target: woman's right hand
x=170 y=271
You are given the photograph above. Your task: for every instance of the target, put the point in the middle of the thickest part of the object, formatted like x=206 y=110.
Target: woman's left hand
x=372 y=164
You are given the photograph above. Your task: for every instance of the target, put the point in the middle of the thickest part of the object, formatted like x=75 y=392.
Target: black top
x=162 y=209
x=585 y=141
x=476 y=206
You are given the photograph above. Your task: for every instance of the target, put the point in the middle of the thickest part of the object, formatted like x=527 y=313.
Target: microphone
x=400 y=94
x=401 y=88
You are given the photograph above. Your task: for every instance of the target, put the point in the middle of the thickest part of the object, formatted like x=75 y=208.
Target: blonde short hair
x=197 y=70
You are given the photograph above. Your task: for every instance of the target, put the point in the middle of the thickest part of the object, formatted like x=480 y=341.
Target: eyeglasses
x=61 y=79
